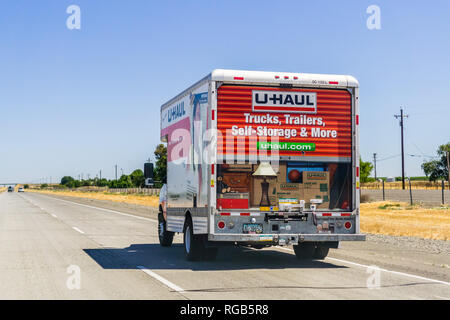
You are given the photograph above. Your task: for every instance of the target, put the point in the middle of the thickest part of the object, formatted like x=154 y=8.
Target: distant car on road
x=21 y=189
x=10 y=189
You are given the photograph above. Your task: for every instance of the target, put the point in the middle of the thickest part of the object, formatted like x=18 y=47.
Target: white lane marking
x=394 y=272
x=54 y=215
x=161 y=279
x=385 y=270
x=107 y=210
x=76 y=229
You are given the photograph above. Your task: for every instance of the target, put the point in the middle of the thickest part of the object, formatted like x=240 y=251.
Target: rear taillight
x=348 y=225
x=221 y=224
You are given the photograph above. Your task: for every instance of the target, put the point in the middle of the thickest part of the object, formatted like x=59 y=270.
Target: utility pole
x=375 y=164
x=116 y=171
x=100 y=174
x=448 y=168
x=401 y=116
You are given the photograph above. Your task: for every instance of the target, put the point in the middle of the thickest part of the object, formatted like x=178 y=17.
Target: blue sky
x=80 y=101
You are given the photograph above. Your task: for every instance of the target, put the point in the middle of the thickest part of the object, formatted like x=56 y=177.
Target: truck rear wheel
x=193 y=244
x=165 y=237
x=304 y=250
x=321 y=252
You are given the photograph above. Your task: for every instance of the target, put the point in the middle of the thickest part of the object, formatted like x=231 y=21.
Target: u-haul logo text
x=284 y=101
x=175 y=112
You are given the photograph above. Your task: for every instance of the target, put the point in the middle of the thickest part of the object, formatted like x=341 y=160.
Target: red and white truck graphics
x=317 y=123
x=263 y=158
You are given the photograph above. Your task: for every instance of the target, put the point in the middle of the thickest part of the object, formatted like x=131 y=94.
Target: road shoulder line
x=381 y=269
x=103 y=209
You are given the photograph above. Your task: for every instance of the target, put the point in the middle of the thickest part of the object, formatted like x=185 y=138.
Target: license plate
x=252 y=228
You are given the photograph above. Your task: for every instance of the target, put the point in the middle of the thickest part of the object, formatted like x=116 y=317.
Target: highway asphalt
x=54 y=248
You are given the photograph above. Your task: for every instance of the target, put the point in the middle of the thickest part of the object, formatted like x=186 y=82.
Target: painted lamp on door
x=265 y=170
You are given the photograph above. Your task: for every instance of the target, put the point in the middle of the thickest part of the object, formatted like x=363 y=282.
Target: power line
x=390 y=157
x=421 y=156
x=415 y=145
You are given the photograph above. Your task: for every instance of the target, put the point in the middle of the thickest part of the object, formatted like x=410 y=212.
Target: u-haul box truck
x=260 y=159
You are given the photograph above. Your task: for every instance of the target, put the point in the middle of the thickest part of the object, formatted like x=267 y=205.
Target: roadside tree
x=364 y=170
x=438 y=169
x=160 y=170
x=137 y=178
x=66 y=180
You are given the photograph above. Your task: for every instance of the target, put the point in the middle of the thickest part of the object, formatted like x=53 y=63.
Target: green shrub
x=389 y=206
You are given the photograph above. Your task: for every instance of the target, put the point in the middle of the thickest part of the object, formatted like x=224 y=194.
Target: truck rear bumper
x=285 y=238
x=332 y=237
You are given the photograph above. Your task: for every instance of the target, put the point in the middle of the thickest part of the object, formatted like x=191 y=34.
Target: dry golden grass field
x=388 y=218
x=401 y=219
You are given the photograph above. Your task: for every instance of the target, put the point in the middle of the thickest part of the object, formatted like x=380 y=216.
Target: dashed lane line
x=76 y=229
x=161 y=279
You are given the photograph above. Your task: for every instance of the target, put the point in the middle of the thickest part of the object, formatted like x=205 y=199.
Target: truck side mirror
x=148 y=174
x=148 y=170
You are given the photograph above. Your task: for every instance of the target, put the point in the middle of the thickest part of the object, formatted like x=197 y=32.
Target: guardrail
x=430 y=196
x=147 y=191
x=397 y=185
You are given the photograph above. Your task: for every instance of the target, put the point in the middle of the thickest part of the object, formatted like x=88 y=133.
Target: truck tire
x=193 y=244
x=321 y=252
x=304 y=250
x=165 y=237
